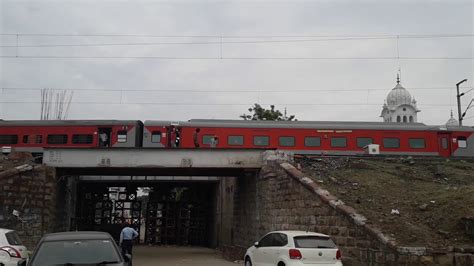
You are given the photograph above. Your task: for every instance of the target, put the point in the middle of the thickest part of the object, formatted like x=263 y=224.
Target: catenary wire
x=210 y=42
x=218 y=104
x=189 y=43
x=232 y=58
x=227 y=91
x=243 y=36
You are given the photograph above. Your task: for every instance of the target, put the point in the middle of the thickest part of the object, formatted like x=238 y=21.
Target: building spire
x=399 y=75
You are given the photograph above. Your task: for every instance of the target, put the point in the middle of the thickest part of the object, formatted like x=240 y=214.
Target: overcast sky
x=287 y=53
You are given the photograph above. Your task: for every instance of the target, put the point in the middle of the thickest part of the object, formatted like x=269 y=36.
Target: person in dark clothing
x=178 y=137
x=196 y=137
x=172 y=137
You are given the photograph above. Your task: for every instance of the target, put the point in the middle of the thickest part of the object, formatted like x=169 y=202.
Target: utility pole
x=459 y=100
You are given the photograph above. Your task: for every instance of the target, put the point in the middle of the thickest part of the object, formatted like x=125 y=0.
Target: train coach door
x=444 y=144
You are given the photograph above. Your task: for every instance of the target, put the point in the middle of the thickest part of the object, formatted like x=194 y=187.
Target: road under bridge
x=173 y=197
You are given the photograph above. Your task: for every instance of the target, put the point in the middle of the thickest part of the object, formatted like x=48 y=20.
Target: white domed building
x=452 y=122
x=399 y=107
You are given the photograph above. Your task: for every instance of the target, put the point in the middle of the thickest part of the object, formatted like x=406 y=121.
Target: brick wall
x=282 y=198
x=30 y=191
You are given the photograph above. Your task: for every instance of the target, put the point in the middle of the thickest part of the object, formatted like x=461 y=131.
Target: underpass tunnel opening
x=182 y=213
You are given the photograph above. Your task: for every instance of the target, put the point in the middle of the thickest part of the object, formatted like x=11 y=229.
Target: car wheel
x=281 y=263
x=248 y=262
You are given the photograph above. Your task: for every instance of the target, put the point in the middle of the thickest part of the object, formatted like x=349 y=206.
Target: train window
x=287 y=141
x=312 y=141
x=8 y=139
x=82 y=139
x=235 y=140
x=206 y=139
x=122 y=136
x=444 y=143
x=391 y=143
x=57 y=139
x=26 y=139
x=338 y=142
x=462 y=142
x=362 y=142
x=417 y=143
x=156 y=136
x=39 y=139
x=261 y=140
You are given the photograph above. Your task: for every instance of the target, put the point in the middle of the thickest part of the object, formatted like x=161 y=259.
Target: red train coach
x=33 y=136
x=304 y=137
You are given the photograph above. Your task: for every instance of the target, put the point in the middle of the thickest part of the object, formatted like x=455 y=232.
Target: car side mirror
x=255 y=244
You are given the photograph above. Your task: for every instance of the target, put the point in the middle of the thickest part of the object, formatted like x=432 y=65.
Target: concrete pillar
x=66 y=202
x=225 y=211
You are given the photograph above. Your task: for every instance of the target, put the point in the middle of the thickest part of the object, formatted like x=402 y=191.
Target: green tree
x=260 y=113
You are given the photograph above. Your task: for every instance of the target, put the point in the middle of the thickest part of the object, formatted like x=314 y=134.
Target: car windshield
x=13 y=239
x=75 y=252
x=313 y=242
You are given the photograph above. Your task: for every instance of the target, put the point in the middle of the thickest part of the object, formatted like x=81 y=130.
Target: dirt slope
x=431 y=196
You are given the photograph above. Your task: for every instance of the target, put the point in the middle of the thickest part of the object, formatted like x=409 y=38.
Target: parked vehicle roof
x=300 y=233
x=79 y=235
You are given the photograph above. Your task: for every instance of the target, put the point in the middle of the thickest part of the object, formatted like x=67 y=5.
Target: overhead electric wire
x=218 y=42
x=219 y=104
x=231 y=91
x=205 y=43
x=233 y=58
x=182 y=43
x=454 y=35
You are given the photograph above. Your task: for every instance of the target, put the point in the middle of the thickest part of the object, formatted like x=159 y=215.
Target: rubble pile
x=323 y=166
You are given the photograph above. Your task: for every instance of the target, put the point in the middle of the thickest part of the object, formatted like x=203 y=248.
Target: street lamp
x=459 y=100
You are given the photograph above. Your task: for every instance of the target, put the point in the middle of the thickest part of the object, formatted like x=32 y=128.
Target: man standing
x=127 y=236
x=104 y=140
x=196 y=137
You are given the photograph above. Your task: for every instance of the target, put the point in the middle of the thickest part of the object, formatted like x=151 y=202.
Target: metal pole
x=459 y=100
x=459 y=105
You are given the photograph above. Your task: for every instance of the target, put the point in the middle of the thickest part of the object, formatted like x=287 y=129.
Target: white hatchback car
x=293 y=248
x=12 y=251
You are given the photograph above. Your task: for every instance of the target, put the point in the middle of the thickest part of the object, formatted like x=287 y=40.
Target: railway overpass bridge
x=174 y=196
x=210 y=198
x=160 y=162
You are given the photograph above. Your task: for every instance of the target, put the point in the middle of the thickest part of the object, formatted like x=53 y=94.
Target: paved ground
x=177 y=256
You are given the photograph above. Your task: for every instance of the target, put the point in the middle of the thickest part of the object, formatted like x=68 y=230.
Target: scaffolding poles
x=55 y=104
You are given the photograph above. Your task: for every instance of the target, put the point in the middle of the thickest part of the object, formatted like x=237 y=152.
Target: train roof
x=343 y=125
x=347 y=125
x=67 y=122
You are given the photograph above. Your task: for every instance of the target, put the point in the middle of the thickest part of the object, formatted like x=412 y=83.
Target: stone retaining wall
x=282 y=198
x=28 y=201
